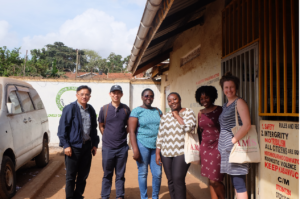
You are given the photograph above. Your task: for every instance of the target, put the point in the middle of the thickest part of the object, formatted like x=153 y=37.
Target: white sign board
x=279 y=168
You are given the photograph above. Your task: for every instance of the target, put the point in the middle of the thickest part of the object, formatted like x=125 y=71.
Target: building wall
x=202 y=70
x=136 y=89
x=63 y=92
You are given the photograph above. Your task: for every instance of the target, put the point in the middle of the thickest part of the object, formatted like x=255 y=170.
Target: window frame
x=6 y=98
x=31 y=92
x=19 y=99
x=28 y=92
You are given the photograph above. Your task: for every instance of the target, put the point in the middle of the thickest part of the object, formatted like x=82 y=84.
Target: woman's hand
x=158 y=158
x=234 y=140
x=137 y=156
x=175 y=113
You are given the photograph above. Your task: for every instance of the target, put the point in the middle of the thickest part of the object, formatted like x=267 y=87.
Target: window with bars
x=244 y=65
x=274 y=24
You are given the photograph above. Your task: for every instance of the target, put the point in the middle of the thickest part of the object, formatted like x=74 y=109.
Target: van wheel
x=43 y=158
x=7 y=178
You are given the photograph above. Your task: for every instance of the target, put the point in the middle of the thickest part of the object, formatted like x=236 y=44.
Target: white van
x=24 y=131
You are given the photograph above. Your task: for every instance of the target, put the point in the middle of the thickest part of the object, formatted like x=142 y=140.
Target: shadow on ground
x=134 y=193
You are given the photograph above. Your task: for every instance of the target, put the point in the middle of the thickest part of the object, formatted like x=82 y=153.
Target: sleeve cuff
x=66 y=145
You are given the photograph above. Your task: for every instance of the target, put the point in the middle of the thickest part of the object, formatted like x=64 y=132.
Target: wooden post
x=25 y=63
x=260 y=64
x=244 y=36
x=294 y=56
x=271 y=56
x=253 y=20
x=285 y=89
x=233 y=27
x=76 y=63
x=238 y=24
x=248 y=21
x=277 y=57
x=225 y=32
x=229 y=32
x=265 y=56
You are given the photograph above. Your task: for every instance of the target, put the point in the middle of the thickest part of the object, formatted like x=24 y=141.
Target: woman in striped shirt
x=170 y=144
x=230 y=85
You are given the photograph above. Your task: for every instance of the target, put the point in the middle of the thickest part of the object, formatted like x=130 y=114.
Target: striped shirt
x=227 y=122
x=171 y=134
x=86 y=121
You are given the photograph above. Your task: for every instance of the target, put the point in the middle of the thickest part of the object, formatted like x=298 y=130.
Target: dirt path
x=55 y=188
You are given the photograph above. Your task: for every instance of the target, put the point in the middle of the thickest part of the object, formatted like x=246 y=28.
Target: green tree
x=10 y=62
x=64 y=55
x=115 y=63
x=94 y=61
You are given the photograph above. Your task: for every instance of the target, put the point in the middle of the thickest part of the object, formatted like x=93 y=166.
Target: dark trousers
x=78 y=164
x=114 y=160
x=176 y=169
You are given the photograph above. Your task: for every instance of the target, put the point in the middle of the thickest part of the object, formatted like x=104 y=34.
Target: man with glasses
x=112 y=120
x=77 y=132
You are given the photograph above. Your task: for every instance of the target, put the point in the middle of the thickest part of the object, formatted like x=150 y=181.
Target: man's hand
x=137 y=156
x=68 y=151
x=94 y=150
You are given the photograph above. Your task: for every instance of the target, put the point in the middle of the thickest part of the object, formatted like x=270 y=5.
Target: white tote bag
x=191 y=148
x=246 y=150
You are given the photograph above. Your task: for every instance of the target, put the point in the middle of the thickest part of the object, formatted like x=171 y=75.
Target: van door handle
x=25 y=121
x=29 y=119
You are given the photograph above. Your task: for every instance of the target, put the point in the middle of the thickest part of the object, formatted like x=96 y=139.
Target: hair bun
x=228 y=74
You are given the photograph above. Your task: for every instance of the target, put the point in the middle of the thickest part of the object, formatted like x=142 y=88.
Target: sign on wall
x=279 y=168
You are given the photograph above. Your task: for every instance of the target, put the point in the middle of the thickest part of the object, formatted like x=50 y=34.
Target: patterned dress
x=227 y=122
x=210 y=156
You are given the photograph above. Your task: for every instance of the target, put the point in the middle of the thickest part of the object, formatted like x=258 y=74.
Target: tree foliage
x=10 y=62
x=64 y=55
x=112 y=64
x=55 y=58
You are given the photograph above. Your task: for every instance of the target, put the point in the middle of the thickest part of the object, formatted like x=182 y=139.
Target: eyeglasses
x=149 y=96
x=84 y=95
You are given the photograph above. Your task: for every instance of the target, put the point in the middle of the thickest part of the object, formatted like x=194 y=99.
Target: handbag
x=191 y=148
x=246 y=150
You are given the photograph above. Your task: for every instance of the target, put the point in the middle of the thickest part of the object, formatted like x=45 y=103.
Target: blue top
x=114 y=135
x=148 y=124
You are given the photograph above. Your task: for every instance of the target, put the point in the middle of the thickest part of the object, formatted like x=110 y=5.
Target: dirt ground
x=55 y=189
x=28 y=171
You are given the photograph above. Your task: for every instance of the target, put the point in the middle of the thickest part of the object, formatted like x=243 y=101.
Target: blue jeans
x=148 y=157
x=114 y=160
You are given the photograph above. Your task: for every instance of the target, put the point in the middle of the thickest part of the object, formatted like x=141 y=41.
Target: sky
x=102 y=25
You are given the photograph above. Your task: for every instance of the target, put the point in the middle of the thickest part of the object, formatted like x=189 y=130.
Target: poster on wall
x=279 y=168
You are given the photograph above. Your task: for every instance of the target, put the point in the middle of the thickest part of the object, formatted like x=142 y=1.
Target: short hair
x=147 y=89
x=84 y=87
x=174 y=93
x=209 y=91
x=229 y=77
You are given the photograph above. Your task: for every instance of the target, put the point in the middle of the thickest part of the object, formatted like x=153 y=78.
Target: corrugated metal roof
x=180 y=14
